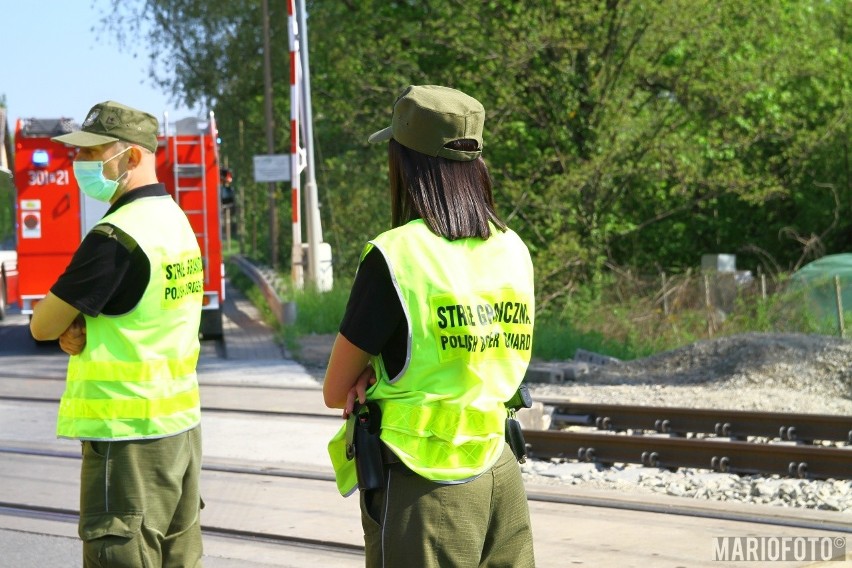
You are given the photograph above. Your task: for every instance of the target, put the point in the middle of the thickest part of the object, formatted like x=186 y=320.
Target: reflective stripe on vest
x=136 y=376
x=469 y=307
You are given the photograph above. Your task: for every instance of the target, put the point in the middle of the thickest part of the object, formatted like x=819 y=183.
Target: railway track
x=674 y=441
x=251 y=504
x=71 y=516
x=294 y=508
x=269 y=410
x=801 y=461
x=270 y=474
x=734 y=424
x=672 y=437
x=674 y=421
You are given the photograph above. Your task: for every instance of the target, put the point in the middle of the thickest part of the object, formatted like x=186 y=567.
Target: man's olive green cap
x=427 y=117
x=109 y=122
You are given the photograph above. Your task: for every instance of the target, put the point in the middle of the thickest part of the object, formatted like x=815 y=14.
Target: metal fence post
x=840 y=323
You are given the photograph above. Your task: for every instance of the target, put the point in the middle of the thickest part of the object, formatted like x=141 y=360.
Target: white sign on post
x=271 y=167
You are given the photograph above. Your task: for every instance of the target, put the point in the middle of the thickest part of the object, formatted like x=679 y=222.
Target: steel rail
x=737 y=424
x=667 y=420
x=692 y=508
x=796 y=460
x=72 y=516
x=270 y=470
x=202 y=382
x=222 y=410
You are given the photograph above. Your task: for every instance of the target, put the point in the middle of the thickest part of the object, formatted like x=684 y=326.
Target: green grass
x=622 y=322
x=319 y=312
x=316 y=312
x=628 y=322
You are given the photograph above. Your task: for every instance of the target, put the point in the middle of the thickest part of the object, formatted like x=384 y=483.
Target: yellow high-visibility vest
x=136 y=376
x=469 y=305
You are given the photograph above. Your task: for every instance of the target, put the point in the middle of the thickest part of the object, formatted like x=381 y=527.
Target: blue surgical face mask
x=90 y=178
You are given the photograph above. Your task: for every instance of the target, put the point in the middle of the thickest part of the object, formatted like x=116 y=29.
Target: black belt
x=388 y=456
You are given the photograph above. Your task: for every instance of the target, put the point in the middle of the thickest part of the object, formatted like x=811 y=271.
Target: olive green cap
x=110 y=122
x=427 y=117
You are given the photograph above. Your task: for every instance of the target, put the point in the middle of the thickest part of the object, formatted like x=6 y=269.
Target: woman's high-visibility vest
x=136 y=377
x=469 y=306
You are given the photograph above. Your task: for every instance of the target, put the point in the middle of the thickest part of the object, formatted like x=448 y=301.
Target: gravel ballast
x=793 y=373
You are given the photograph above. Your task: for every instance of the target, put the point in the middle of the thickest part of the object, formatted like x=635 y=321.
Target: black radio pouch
x=514 y=434
x=367 y=446
x=521 y=398
x=515 y=439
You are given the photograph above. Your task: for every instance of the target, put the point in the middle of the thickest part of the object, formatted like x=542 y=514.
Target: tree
x=210 y=53
x=7 y=197
x=618 y=131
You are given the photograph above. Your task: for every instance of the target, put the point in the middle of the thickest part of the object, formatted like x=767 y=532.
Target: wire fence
x=738 y=299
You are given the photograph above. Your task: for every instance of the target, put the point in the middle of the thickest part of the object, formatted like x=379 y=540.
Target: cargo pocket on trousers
x=112 y=540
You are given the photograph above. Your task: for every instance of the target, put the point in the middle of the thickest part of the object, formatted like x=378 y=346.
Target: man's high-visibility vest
x=136 y=377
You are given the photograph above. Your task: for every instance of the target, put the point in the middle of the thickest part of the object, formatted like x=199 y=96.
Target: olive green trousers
x=140 y=502
x=484 y=522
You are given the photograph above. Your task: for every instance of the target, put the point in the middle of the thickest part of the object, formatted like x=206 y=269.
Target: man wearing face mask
x=127 y=309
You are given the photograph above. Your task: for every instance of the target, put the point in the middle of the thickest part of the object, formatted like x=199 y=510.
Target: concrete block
x=534 y=418
x=550 y=373
x=718 y=262
x=574 y=370
x=594 y=358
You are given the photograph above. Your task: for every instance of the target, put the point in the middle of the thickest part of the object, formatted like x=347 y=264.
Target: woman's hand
x=347 y=377
x=365 y=380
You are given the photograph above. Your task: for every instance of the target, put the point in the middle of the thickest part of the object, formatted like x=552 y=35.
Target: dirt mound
x=814 y=362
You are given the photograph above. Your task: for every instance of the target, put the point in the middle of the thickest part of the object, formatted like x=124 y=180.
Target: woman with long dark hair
x=435 y=340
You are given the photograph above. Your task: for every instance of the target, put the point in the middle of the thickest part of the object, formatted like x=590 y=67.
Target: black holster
x=366 y=446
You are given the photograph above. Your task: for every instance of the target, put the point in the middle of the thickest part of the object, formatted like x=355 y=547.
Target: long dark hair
x=453 y=198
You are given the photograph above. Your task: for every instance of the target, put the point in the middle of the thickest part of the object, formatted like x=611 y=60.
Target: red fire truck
x=53 y=215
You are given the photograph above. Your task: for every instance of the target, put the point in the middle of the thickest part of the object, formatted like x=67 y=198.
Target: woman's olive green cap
x=427 y=117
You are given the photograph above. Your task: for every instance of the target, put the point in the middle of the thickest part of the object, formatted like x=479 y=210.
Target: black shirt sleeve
x=104 y=276
x=374 y=320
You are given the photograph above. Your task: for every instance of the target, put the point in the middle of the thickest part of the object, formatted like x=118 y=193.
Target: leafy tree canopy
x=621 y=132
